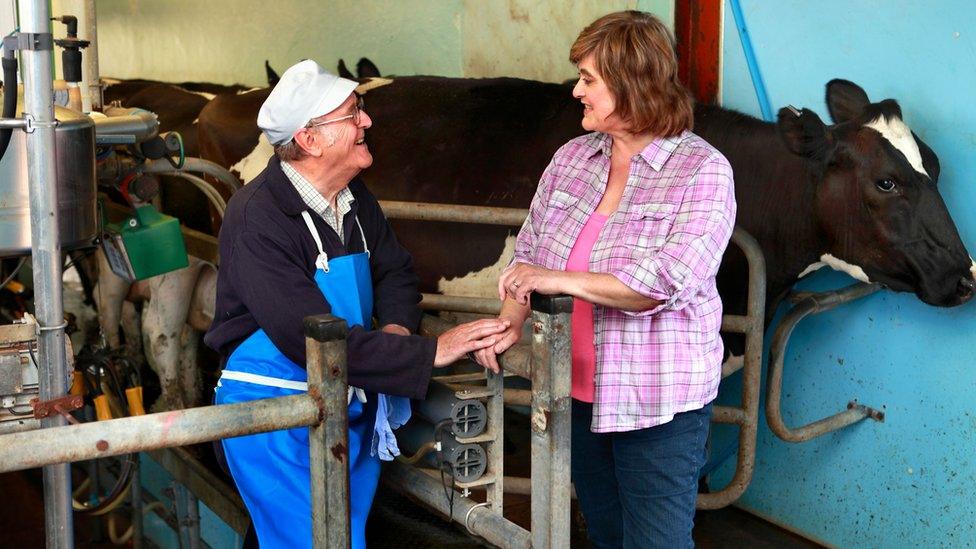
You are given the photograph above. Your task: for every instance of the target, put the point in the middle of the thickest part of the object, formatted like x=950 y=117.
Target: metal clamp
x=468 y=516
x=63 y=405
x=33 y=41
x=63 y=325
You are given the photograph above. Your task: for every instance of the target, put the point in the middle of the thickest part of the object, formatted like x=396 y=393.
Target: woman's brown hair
x=634 y=54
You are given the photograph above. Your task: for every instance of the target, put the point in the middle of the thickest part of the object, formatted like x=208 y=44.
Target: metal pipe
x=812 y=304
x=46 y=261
x=196 y=165
x=91 y=57
x=140 y=123
x=516 y=360
x=325 y=346
x=13 y=123
x=137 y=508
x=153 y=431
x=747 y=417
x=478 y=519
x=550 y=419
x=456 y=213
x=461 y=304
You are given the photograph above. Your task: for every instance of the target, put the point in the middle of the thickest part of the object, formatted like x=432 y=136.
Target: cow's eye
x=885 y=185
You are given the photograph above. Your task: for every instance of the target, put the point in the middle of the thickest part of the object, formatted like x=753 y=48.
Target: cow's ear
x=929 y=159
x=344 y=71
x=273 y=77
x=845 y=100
x=804 y=133
x=366 y=69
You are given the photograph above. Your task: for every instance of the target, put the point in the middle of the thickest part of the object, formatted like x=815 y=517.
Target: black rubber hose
x=9 y=63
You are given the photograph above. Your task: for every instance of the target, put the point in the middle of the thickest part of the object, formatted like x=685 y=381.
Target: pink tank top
x=584 y=352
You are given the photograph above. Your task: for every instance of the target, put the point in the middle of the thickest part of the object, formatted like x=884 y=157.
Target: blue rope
x=757 y=79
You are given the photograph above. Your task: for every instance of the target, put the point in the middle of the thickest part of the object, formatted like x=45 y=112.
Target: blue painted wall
x=908 y=482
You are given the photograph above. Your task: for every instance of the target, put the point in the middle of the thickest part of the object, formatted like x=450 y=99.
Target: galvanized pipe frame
x=322 y=408
x=747 y=415
x=751 y=325
x=808 y=305
x=34 y=19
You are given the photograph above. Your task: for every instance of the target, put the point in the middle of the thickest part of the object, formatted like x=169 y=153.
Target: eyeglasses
x=356 y=115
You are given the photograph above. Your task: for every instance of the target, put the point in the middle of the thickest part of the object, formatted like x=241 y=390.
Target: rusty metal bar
x=747 y=417
x=550 y=420
x=325 y=344
x=811 y=304
x=477 y=518
x=461 y=304
x=116 y=437
x=516 y=360
x=485 y=215
x=496 y=447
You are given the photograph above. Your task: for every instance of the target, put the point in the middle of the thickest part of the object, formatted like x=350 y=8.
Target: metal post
x=137 y=503
x=496 y=448
x=550 y=420
x=187 y=516
x=46 y=254
x=325 y=344
x=91 y=57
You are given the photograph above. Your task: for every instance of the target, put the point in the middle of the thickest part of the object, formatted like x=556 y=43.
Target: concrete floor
x=395 y=522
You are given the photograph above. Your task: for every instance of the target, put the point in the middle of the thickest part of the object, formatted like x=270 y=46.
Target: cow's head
x=876 y=200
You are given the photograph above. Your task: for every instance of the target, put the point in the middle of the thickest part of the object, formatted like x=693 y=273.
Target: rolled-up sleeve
x=693 y=249
x=527 y=242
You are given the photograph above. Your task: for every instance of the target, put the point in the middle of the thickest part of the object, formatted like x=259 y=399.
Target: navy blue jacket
x=266 y=280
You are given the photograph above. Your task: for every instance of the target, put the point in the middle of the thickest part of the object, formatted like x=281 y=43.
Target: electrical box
x=147 y=244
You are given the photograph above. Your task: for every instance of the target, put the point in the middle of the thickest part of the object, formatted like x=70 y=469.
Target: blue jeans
x=638 y=488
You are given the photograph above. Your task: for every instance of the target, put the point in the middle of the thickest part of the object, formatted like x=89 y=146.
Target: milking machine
x=50 y=172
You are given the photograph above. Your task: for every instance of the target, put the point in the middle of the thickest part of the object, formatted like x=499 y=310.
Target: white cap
x=305 y=91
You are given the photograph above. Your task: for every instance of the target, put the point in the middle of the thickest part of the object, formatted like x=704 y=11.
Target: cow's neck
x=775 y=192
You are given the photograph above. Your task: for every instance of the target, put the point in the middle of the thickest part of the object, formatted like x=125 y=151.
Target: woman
x=632 y=221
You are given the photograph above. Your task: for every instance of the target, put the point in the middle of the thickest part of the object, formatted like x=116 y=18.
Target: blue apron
x=271 y=470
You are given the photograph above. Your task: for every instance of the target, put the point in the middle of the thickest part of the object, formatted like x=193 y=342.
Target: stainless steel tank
x=75 y=138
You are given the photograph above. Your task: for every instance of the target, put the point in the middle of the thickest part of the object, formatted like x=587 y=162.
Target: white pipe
x=90 y=54
x=46 y=256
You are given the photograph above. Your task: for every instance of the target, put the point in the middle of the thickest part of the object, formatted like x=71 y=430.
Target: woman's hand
x=466 y=338
x=488 y=357
x=518 y=281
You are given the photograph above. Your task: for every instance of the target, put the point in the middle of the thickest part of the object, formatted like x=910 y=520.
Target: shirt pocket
x=648 y=226
x=558 y=209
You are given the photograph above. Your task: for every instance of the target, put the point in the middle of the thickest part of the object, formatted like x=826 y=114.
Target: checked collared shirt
x=665 y=241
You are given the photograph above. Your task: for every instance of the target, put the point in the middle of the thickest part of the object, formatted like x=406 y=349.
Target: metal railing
x=517 y=360
x=806 y=305
x=322 y=408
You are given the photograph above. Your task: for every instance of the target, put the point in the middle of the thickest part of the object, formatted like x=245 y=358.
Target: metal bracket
x=63 y=405
x=33 y=41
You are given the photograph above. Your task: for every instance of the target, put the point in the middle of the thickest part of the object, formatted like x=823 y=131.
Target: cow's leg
x=190 y=380
x=162 y=323
x=109 y=293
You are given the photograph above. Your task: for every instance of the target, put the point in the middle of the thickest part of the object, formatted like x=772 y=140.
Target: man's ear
x=804 y=133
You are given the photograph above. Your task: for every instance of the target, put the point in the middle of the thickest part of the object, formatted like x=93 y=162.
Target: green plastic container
x=145 y=245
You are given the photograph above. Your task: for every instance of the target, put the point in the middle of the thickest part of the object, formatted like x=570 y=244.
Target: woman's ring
x=516 y=283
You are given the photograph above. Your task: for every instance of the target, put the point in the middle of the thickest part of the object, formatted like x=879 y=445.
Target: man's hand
x=465 y=338
x=488 y=357
x=395 y=329
x=518 y=281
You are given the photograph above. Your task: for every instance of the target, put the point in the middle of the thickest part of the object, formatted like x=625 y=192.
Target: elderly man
x=306 y=237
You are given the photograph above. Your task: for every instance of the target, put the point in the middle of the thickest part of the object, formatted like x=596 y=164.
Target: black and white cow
x=859 y=196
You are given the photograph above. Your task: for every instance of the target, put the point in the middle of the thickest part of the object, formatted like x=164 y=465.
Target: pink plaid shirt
x=665 y=241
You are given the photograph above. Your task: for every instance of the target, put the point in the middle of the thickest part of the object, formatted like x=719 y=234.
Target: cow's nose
x=966 y=288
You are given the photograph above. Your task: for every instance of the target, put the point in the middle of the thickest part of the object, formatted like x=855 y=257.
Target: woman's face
x=598 y=101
